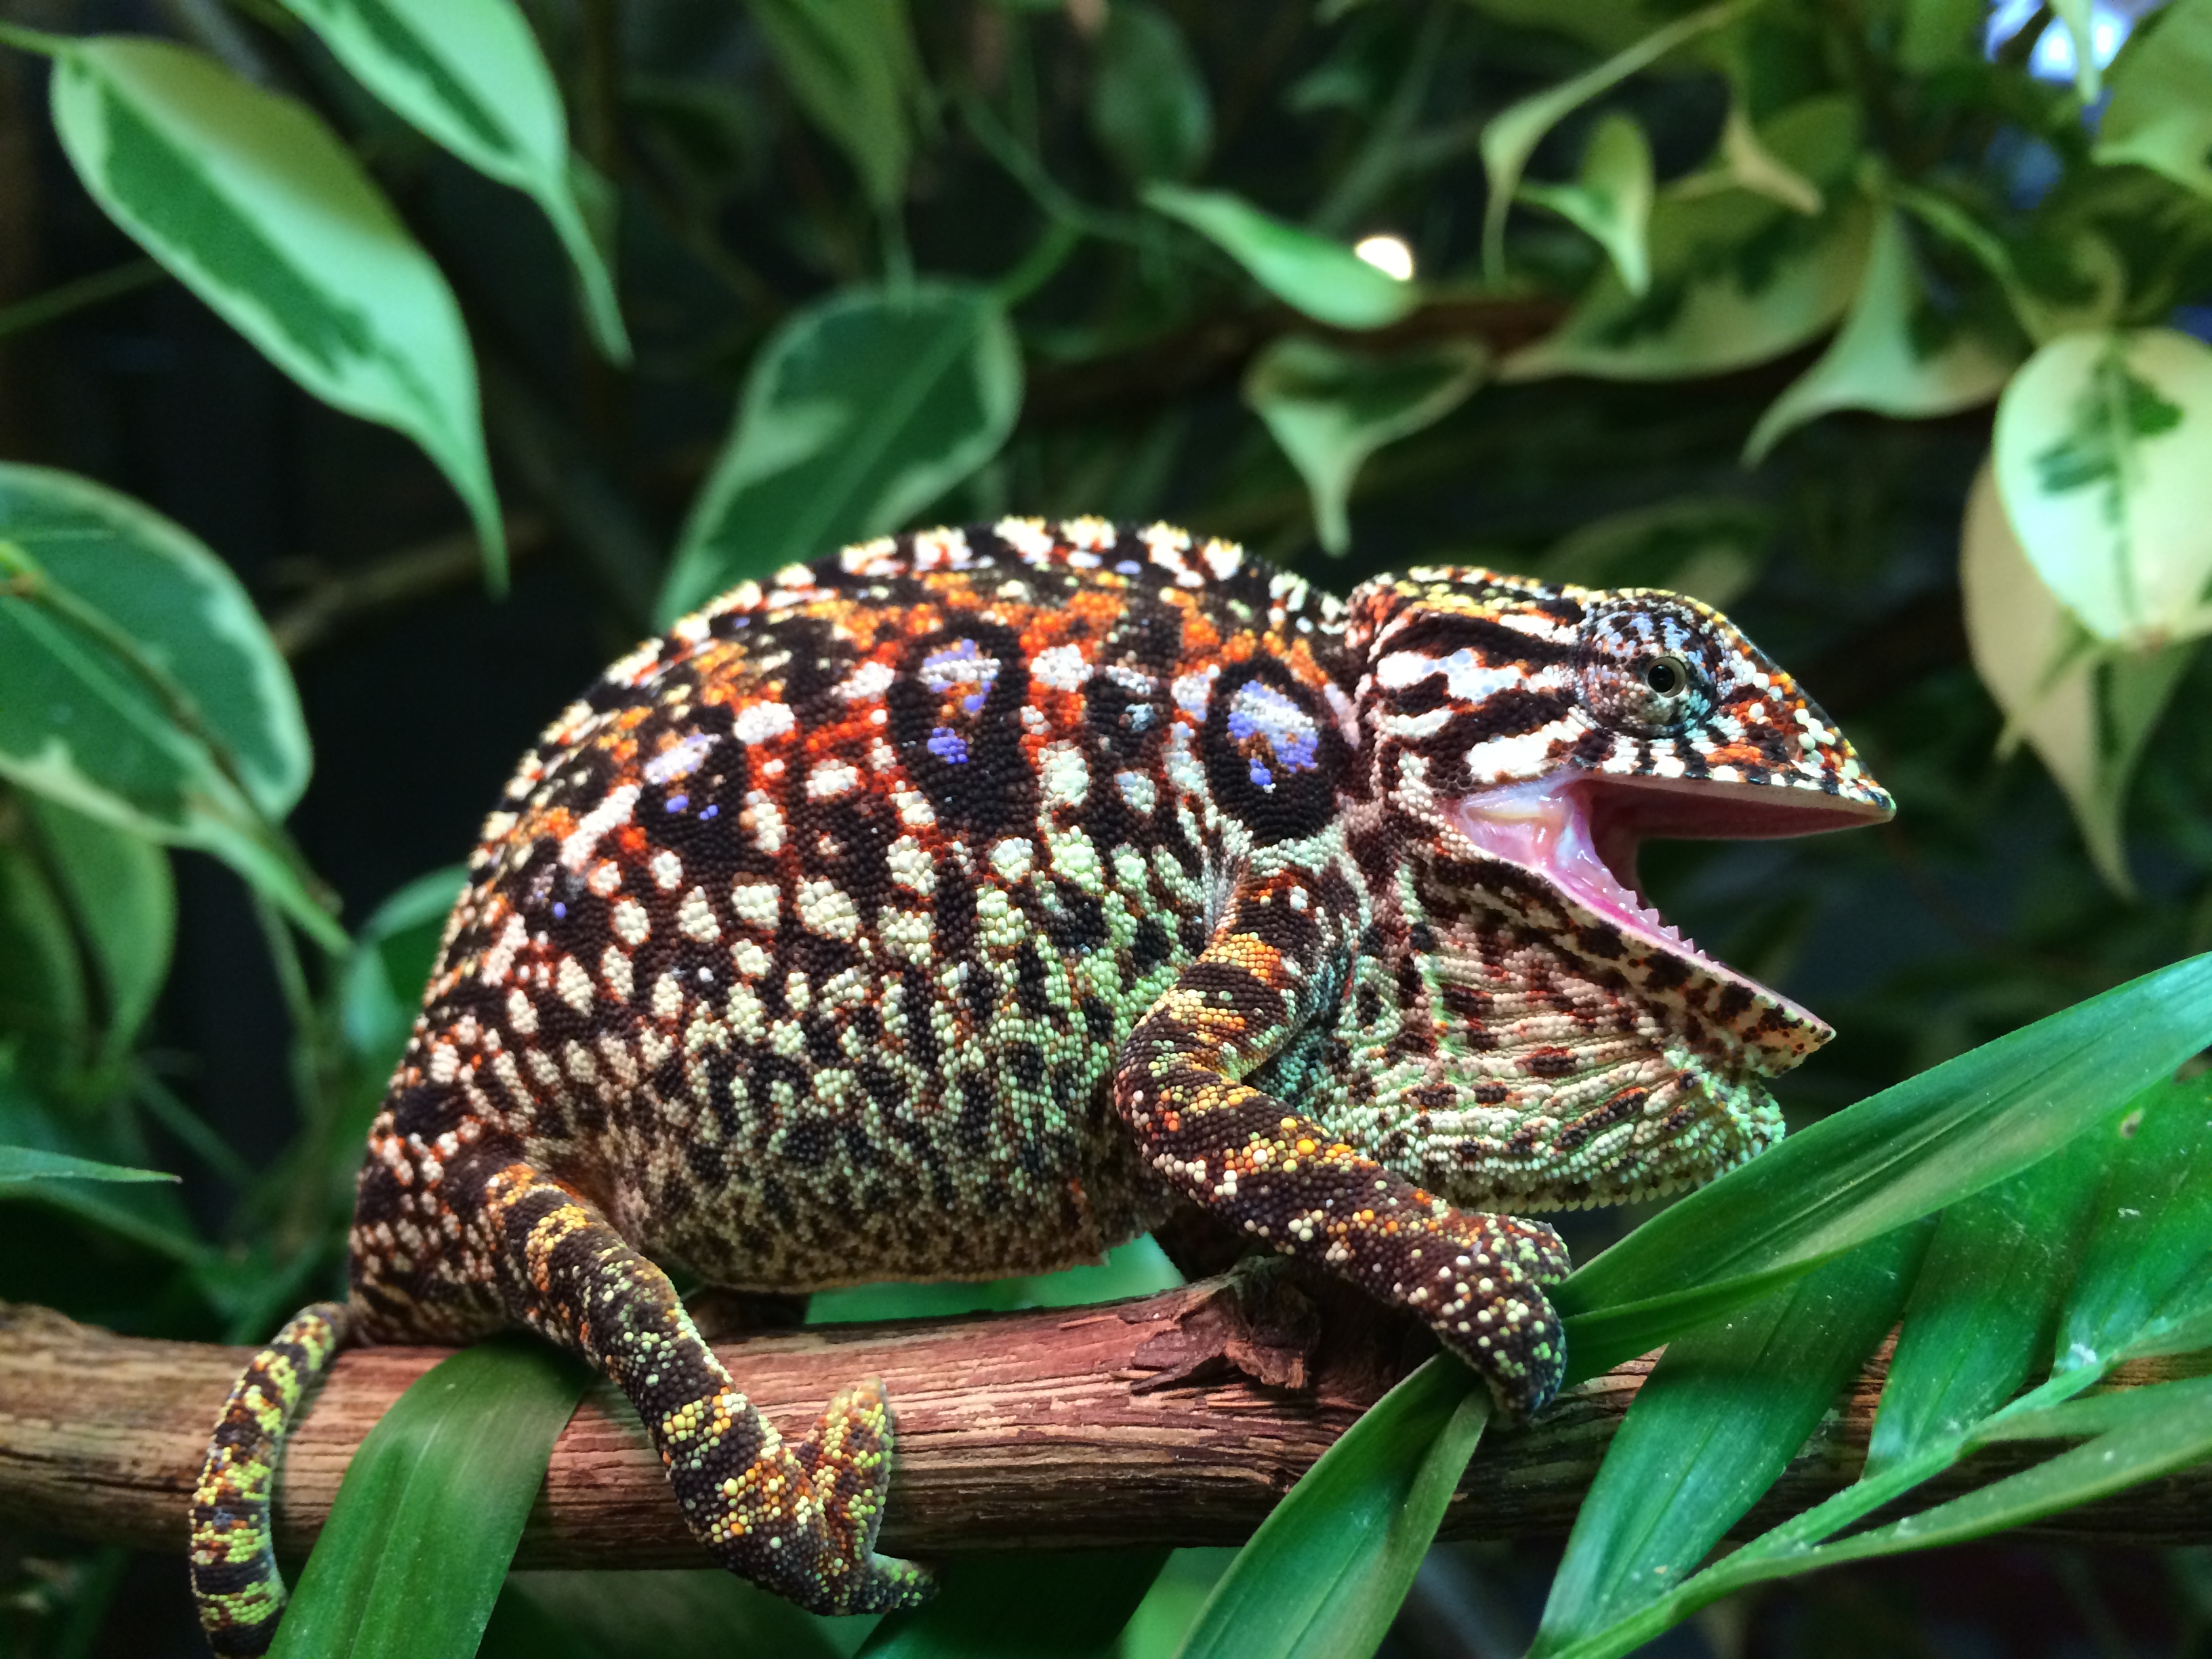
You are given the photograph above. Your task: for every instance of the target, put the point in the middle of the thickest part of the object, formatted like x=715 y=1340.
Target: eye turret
x=1644 y=667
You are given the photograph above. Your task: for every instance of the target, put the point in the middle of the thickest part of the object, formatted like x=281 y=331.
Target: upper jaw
x=1580 y=832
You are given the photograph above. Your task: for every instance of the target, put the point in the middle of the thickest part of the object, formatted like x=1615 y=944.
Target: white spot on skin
x=868 y=682
x=521 y=1013
x=911 y=866
x=1137 y=792
x=1012 y=858
x=763 y=819
x=445 y=1063
x=583 y=840
x=632 y=926
x=1194 y=691
x=605 y=879
x=756 y=904
x=758 y=722
x=667 y=870
x=680 y=760
x=1063 y=775
x=1062 y=668
x=694 y=919
x=750 y=959
x=499 y=961
x=667 y=997
x=826 y=909
x=574 y=985
x=614 y=970
x=831 y=778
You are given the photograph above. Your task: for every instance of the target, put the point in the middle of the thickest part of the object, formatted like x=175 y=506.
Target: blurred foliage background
x=427 y=360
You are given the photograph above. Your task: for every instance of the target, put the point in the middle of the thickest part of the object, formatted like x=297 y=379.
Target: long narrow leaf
x=1324 y=1575
x=1713 y=1428
x=410 y=1561
x=1891 y=1159
x=24 y=1166
x=1982 y=1312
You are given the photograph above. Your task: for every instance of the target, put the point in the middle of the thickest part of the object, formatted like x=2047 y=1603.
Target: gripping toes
x=1480 y=1285
x=800 y=1520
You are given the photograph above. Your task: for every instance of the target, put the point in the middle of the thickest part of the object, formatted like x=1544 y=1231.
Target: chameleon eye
x=1667 y=675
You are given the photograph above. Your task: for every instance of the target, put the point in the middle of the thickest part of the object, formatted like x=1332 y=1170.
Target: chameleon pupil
x=1666 y=677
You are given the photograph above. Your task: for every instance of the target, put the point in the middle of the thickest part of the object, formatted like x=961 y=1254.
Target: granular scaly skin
x=958 y=905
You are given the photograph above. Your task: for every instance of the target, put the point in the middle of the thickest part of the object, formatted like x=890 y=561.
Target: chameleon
x=965 y=901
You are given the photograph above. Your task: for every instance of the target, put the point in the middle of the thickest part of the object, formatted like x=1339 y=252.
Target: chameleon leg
x=800 y=1520
x=1246 y=1157
x=233 y=1561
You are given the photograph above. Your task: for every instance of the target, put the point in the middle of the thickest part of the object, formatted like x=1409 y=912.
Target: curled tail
x=234 y=1577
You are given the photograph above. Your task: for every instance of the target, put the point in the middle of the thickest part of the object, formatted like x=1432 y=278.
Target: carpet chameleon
x=957 y=905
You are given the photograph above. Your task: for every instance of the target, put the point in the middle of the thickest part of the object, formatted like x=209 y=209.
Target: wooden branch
x=1179 y=1419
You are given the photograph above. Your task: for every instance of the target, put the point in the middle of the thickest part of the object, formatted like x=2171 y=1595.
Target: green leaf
x=139 y=686
x=1324 y=279
x=27 y=1166
x=391 y=963
x=2079 y=17
x=1884 y=358
x=1712 y=1428
x=1611 y=201
x=410 y=1561
x=2170 y=1430
x=1138 y=1268
x=2159 y=118
x=45 y=1012
x=2087 y=711
x=658 y=1615
x=860 y=411
x=1066 y=1605
x=1893 y=1158
x=1149 y=108
x=1736 y=276
x=124 y=901
x=1940 y=33
x=852 y=66
x=1324 y=1575
x=254 y=203
x=468 y=74
x=1986 y=1301
x=1711 y=547
x=2100 y=460
x=1512 y=135
x=1330 y=409
x=2149 y=1251
x=190 y=615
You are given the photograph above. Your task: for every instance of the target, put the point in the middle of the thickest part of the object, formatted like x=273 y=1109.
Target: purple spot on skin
x=948 y=746
x=971 y=705
x=1262 y=711
x=1262 y=776
x=709 y=812
x=677 y=803
x=1129 y=567
x=560 y=913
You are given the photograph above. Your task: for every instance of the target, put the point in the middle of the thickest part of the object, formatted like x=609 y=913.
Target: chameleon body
x=959 y=904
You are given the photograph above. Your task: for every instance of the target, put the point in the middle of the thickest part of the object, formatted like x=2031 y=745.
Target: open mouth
x=1581 y=832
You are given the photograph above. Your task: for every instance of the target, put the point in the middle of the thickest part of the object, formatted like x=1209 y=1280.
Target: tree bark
x=1180 y=1418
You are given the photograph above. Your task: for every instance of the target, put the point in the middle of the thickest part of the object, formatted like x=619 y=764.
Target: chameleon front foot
x=1478 y=1280
x=801 y=1519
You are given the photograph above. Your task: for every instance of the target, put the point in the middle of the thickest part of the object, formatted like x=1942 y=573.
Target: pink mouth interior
x=1583 y=833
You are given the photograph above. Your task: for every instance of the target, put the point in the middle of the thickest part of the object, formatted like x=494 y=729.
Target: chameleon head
x=1559 y=1043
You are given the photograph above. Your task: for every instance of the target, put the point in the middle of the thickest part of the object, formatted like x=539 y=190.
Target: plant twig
x=1180 y=1417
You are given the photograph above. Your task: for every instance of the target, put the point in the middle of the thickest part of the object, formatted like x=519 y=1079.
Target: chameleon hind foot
x=801 y=1518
